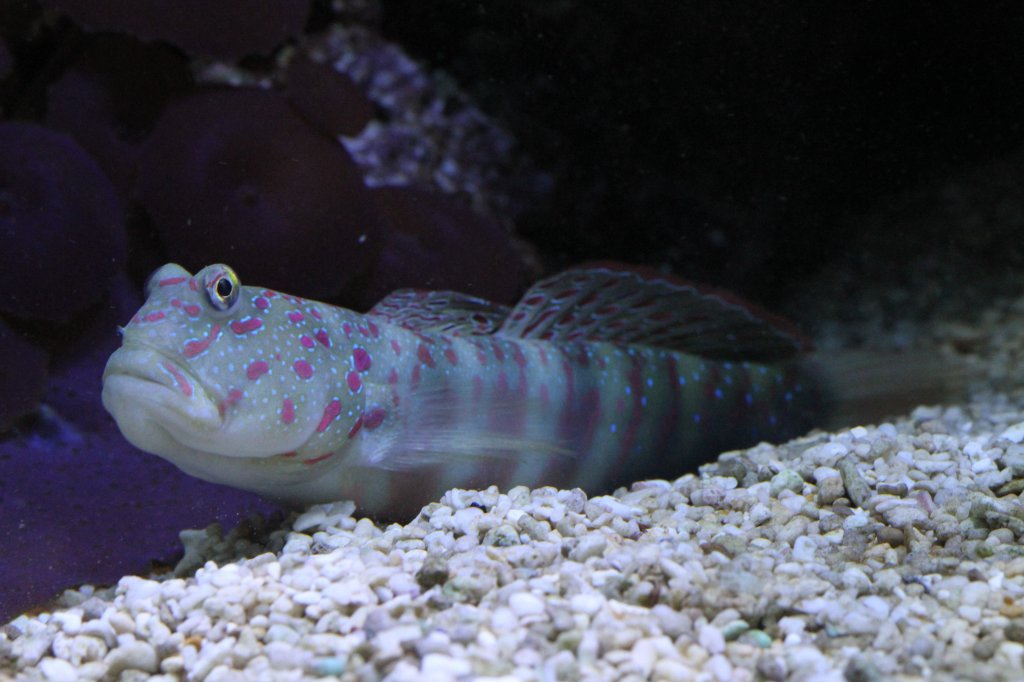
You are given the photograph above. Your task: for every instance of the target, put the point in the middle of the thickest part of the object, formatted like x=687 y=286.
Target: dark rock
x=110 y=98
x=433 y=242
x=328 y=99
x=237 y=176
x=223 y=30
x=61 y=224
x=22 y=376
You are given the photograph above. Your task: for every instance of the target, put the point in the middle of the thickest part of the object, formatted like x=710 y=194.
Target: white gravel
x=889 y=552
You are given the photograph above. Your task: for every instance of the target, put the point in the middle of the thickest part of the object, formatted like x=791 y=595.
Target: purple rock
x=327 y=98
x=237 y=176
x=62 y=225
x=22 y=375
x=223 y=30
x=110 y=98
x=434 y=242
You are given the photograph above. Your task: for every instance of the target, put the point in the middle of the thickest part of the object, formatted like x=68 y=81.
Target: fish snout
x=143 y=383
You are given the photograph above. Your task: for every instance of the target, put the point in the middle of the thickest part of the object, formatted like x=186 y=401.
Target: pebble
x=526 y=604
x=804 y=549
x=133 y=655
x=1014 y=434
x=57 y=670
x=787 y=479
x=711 y=638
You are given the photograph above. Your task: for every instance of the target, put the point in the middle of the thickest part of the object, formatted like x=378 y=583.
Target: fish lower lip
x=145 y=374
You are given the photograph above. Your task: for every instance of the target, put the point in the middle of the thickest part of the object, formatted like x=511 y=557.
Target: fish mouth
x=153 y=398
x=162 y=407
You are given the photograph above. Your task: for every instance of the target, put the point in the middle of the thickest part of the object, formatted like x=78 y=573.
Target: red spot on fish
x=415 y=379
x=287 y=411
x=518 y=357
x=295 y=316
x=269 y=293
x=170 y=281
x=567 y=422
x=175 y=303
x=363 y=331
x=315 y=313
x=183 y=383
x=713 y=382
x=355 y=427
x=565 y=293
x=361 y=359
x=256 y=369
x=261 y=302
x=393 y=376
x=306 y=341
x=671 y=417
x=194 y=348
x=501 y=383
x=423 y=353
x=153 y=317
x=374 y=330
x=234 y=395
x=481 y=356
x=347 y=329
x=192 y=310
x=374 y=418
x=536 y=299
x=635 y=411
x=303 y=369
x=323 y=338
x=246 y=325
x=499 y=352
x=537 y=321
x=396 y=347
x=353 y=381
x=286 y=455
x=331 y=412
x=193 y=284
x=591 y=412
x=318 y=458
x=450 y=356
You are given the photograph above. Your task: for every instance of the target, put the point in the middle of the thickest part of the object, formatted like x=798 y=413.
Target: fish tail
x=863 y=387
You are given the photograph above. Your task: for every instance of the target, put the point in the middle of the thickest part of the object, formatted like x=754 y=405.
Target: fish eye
x=222 y=287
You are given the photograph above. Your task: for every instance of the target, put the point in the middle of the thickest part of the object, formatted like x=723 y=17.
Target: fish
x=600 y=375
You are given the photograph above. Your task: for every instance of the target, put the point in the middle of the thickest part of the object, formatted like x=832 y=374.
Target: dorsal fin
x=440 y=311
x=611 y=302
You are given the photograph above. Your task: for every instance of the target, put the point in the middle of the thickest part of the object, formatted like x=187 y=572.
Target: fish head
x=211 y=375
